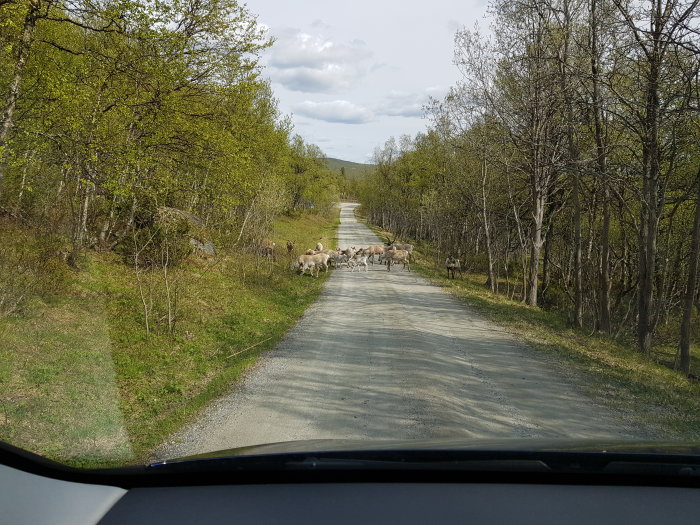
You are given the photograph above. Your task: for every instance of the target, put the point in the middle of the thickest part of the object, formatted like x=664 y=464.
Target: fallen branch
x=245 y=349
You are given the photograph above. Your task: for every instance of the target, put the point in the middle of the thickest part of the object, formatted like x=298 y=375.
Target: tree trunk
x=601 y=165
x=491 y=282
x=80 y=227
x=535 y=248
x=25 y=45
x=572 y=166
x=604 y=284
x=684 y=346
x=649 y=211
x=547 y=258
x=578 y=263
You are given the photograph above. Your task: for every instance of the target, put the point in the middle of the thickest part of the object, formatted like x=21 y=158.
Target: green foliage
x=157 y=245
x=166 y=109
x=311 y=185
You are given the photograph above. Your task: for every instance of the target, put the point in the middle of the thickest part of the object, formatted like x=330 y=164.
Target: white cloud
x=403 y=104
x=309 y=80
x=453 y=26
x=311 y=63
x=340 y=111
x=383 y=66
x=320 y=25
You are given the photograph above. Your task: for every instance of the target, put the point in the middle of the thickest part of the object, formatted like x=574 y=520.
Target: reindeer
x=398 y=256
x=371 y=251
x=357 y=261
x=303 y=264
x=452 y=264
x=312 y=262
x=339 y=259
x=290 y=247
x=267 y=249
x=393 y=245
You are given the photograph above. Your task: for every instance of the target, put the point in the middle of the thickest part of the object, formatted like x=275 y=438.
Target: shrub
x=157 y=246
x=31 y=265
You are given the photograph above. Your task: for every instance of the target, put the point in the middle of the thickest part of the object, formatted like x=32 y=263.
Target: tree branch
x=105 y=29
x=61 y=48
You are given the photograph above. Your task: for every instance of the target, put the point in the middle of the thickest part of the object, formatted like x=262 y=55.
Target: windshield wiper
x=481 y=465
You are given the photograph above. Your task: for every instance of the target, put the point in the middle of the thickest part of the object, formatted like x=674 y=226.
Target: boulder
x=199 y=238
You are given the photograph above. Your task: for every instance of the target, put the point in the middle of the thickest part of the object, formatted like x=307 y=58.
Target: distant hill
x=353 y=170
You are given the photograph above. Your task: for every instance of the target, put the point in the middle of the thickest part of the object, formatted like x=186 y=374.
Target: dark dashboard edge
x=145 y=476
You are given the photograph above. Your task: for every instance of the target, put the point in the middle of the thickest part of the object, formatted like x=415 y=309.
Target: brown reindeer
x=371 y=251
x=452 y=264
x=393 y=245
x=267 y=249
x=398 y=256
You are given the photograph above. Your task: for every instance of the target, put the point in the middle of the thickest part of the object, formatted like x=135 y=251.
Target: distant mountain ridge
x=353 y=170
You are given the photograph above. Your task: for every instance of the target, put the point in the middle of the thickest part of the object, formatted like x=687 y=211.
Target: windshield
x=225 y=225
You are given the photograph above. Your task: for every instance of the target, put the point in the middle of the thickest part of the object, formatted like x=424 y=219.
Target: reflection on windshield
x=59 y=386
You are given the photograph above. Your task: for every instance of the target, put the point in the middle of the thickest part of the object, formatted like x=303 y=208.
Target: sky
x=354 y=73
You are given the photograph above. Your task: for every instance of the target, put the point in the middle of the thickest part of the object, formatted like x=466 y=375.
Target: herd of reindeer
x=315 y=260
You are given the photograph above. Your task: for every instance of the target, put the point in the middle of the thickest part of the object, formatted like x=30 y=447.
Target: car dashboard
x=330 y=488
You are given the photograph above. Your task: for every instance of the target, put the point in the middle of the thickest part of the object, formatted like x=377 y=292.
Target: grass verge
x=645 y=391
x=81 y=380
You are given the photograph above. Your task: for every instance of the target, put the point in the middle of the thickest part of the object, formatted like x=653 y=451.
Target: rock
x=199 y=238
x=206 y=248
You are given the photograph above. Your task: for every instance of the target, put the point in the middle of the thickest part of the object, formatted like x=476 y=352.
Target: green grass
x=82 y=382
x=57 y=386
x=648 y=391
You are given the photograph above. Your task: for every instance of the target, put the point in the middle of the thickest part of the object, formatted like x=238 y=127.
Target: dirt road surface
x=387 y=355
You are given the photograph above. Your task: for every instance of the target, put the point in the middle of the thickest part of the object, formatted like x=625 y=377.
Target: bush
x=157 y=245
x=31 y=265
x=477 y=262
x=554 y=298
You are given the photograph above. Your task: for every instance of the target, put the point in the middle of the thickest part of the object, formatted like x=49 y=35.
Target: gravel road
x=387 y=355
